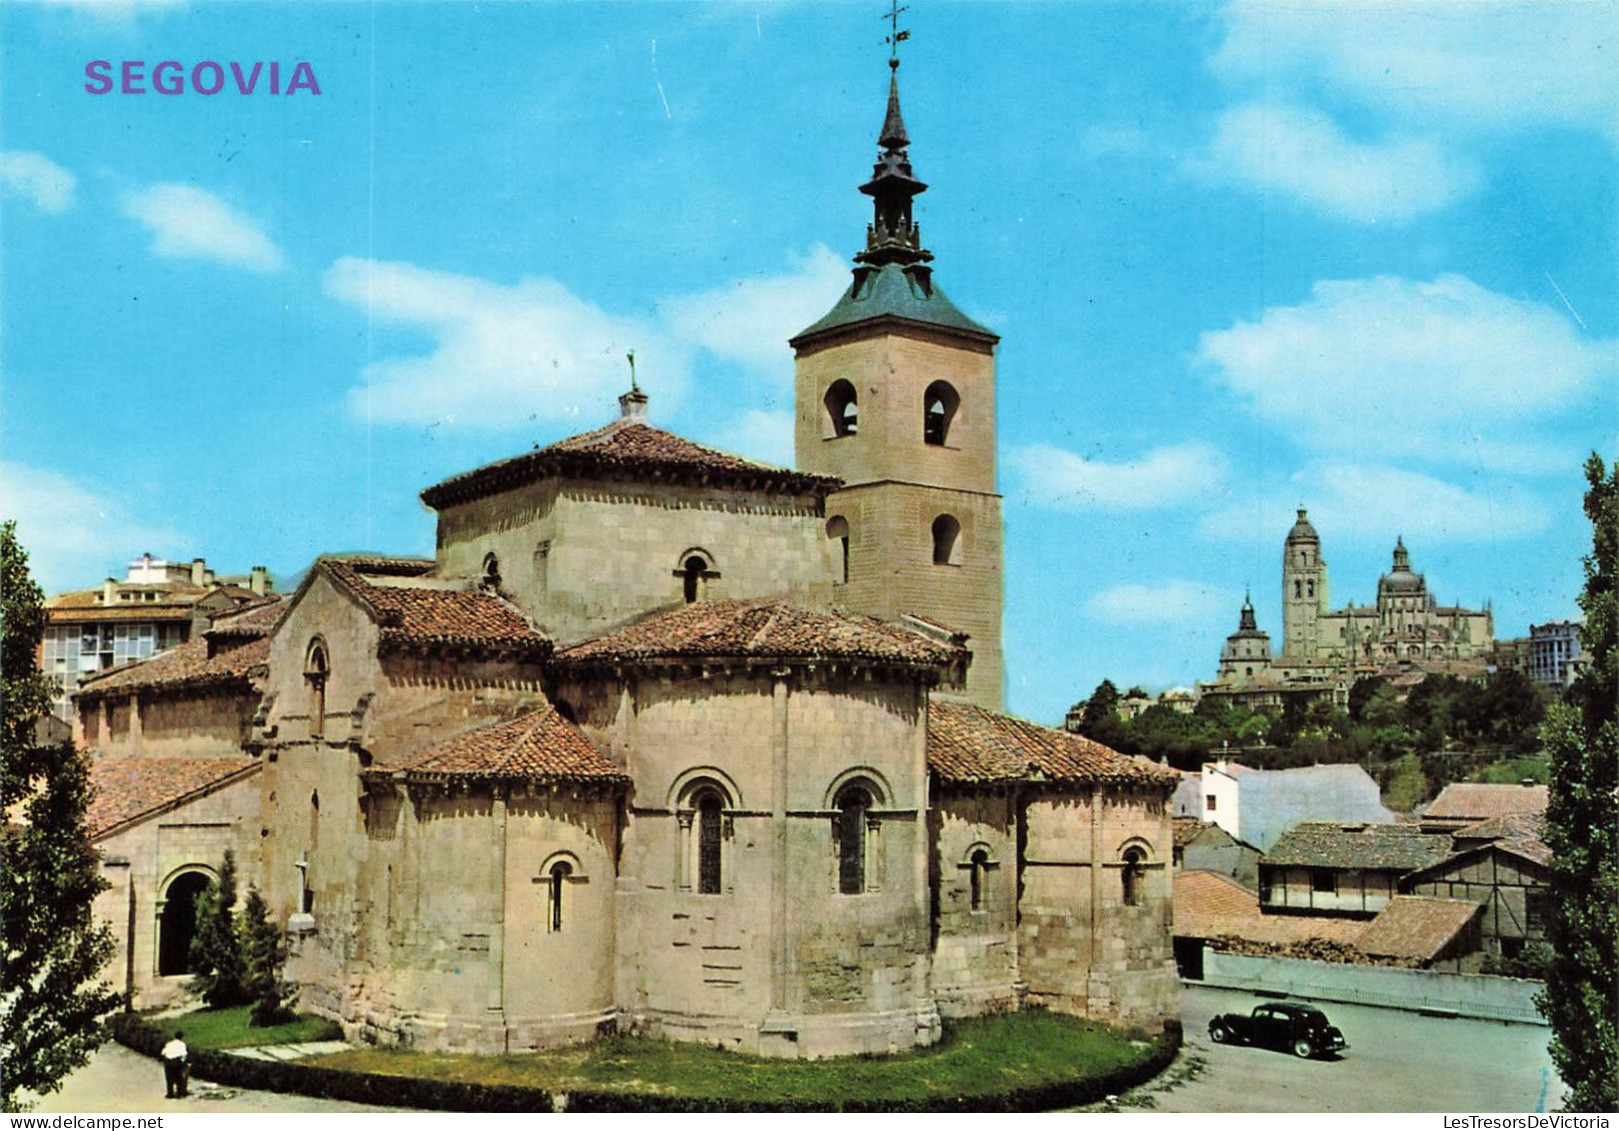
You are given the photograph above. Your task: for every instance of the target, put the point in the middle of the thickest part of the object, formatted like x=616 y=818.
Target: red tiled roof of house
x=456 y=618
x=187 y=667
x=128 y=788
x=967 y=743
x=1416 y=926
x=627 y=446
x=769 y=629
x=110 y=614
x=384 y=565
x=537 y=746
x=1479 y=800
x=1186 y=829
x=1209 y=905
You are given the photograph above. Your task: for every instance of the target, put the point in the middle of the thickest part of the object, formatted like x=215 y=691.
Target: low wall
x=1465 y=995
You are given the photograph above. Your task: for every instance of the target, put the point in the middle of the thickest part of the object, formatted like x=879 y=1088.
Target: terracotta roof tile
x=538 y=746
x=763 y=630
x=1479 y=800
x=627 y=446
x=127 y=788
x=248 y=621
x=455 y=618
x=967 y=743
x=1209 y=905
x=187 y=667
x=1416 y=926
x=1329 y=844
x=1187 y=829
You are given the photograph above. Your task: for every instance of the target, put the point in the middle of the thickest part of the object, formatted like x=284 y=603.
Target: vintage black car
x=1300 y=1029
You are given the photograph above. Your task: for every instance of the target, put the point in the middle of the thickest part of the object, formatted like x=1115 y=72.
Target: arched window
x=710 y=835
x=1309 y=588
x=842 y=410
x=558 y=877
x=939 y=406
x=1134 y=879
x=837 y=530
x=316 y=670
x=695 y=570
x=491 y=572
x=853 y=803
x=979 y=878
x=1298 y=588
x=946 y=540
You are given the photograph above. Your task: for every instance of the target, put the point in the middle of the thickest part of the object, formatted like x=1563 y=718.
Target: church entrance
x=178 y=925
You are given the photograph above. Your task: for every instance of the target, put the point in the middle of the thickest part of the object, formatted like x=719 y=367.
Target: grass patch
x=230 y=1029
x=981 y=1056
x=1512 y=771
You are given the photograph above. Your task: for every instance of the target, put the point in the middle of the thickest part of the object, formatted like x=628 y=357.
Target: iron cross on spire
x=895 y=36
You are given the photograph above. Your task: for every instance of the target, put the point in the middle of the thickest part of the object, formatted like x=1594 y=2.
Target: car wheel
x=1218 y=1034
x=1302 y=1048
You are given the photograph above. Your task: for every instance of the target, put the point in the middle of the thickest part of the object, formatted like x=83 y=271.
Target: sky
x=1243 y=257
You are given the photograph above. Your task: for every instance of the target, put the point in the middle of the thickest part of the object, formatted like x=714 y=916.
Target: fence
x=1464 y=995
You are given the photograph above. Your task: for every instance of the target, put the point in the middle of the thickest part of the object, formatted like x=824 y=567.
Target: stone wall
x=170 y=723
x=975 y=959
x=584 y=557
x=143 y=860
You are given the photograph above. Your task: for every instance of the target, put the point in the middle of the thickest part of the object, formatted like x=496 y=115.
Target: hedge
x=141 y=1035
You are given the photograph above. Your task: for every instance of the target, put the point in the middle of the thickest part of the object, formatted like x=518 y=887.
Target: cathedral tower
x=895 y=394
x=1304 y=590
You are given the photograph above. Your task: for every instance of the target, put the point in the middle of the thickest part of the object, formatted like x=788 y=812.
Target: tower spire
x=893 y=236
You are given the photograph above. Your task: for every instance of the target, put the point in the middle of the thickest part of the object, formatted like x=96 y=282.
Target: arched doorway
x=178 y=925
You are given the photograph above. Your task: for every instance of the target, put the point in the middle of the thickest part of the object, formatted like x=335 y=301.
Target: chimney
x=632 y=405
x=109 y=591
x=199 y=571
x=260 y=581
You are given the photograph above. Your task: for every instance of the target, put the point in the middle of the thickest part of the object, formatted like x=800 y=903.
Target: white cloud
x=38 y=179
x=1371 y=504
x=187 y=222
x=757 y=434
x=750 y=320
x=1438 y=370
x=1301 y=152
x=69 y=528
x=1485 y=63
x=1166 y=476
x=1174 y=603
x=502 y=355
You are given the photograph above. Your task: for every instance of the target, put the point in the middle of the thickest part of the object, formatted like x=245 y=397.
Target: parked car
x=1300 y=1029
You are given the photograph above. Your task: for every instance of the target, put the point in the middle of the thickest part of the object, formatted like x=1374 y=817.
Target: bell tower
x=895 y=395
x=1304 y=590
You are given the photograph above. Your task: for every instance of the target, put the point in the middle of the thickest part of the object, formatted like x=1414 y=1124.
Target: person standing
x=174 y=1067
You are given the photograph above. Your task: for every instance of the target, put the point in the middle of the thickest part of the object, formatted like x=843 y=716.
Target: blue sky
x=1243 y=257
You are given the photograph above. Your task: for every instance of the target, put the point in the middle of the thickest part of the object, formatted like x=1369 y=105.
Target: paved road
x=117 y=1080
x=1395 y=1062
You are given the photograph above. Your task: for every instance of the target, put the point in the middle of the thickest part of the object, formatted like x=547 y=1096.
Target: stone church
x=661 y=740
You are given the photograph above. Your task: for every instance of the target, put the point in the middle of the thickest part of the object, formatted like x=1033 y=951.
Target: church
x=661 y=740
x=1325 y=650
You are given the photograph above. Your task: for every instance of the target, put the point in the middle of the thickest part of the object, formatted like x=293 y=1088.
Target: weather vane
x=895 y=36
x=631 y=358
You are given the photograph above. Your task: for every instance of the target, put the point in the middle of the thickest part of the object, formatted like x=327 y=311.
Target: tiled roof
x=455 y=618
x=764 y=630
x=127 y=788
x=1416 y=926
x=1209 y=905
x=383 y=565
x=108 y=614
x=1478 y=800
x=627 y=446
x=1508 y=826
x=1188 y=829
x=1384 y=848
x=187 y=667
x=538 y=746
x=967 y=743
x=248 y=621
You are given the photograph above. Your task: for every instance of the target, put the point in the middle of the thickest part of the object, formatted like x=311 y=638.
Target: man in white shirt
x=174 y=1067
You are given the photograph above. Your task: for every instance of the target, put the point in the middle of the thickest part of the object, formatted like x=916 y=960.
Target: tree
x=1101 y=719
x=264 y=954
x=50 y=873
x=216 y=950
x=1581 y=999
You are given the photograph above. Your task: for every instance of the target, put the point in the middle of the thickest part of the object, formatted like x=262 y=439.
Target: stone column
x=497 y=929
x=781 y=959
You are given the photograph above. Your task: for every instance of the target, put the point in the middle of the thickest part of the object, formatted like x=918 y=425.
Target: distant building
x=1325 y=650
x=1503 y=865
x=1201 y=846
x=1463 y=804
x=1258 y=806
x=158 y=606
x=1554 y=652
x=1331 y=868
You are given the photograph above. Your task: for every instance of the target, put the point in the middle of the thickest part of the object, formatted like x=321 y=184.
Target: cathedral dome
x=1302 y=530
